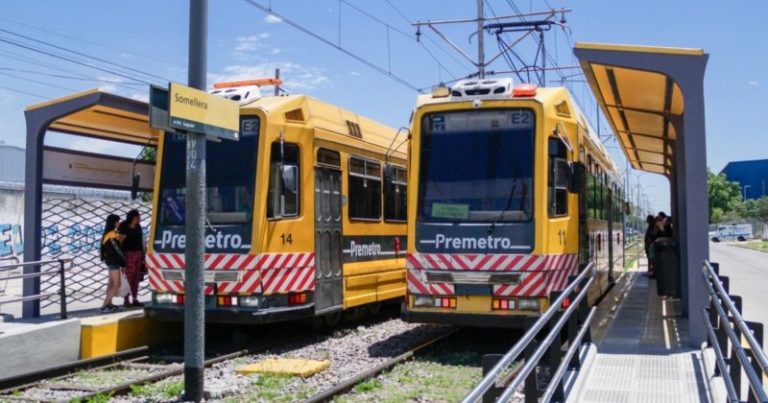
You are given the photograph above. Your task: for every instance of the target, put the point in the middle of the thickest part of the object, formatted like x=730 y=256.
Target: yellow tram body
x=460 y=270
x=304 y=214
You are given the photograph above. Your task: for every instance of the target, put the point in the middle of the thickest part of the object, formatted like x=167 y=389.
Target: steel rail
x=489 y=379
x=572 y=350
x=753 y=378
x=329 y=394
x=28 y=379
x=554 y=333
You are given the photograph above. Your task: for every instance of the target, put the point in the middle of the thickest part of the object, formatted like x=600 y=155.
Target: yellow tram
x=511 y=193
x=306 y=214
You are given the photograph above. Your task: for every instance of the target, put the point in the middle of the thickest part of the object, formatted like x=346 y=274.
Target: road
x=748 y=273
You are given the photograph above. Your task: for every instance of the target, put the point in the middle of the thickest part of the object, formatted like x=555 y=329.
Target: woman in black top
x=650 y=236
x=132 y=242
x=112 y=257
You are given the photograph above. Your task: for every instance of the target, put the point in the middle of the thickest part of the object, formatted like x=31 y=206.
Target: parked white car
x=731 y=232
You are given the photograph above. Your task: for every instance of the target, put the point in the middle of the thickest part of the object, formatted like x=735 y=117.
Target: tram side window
x=364 y=189
x=283 y=196
x=395 y=195
x=558 y=178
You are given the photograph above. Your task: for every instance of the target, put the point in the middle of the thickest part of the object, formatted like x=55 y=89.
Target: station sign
x=183 y=108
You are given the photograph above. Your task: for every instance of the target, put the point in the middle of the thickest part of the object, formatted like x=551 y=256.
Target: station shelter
x=653 y=98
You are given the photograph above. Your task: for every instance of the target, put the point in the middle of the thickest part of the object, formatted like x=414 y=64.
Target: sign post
x=200 y=115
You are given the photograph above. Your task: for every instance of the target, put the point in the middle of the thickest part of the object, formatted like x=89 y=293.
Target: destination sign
x=197 y=111
x=481 y=120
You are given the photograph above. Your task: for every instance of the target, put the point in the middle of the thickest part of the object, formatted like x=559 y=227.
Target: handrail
x=709 y=272
x=733 y=395
x=719 y=297
x=490 y=378
x=9 y=267
x=572 y=349
x=36 y=297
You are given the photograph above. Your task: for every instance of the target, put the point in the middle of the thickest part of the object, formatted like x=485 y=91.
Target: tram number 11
x=286 y=238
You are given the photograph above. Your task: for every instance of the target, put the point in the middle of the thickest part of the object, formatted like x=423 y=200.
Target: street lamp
x=744 y=189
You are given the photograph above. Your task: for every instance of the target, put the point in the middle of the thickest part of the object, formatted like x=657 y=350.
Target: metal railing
x=727 y=330
x=62 y=266
x=3 y=281
x=577 y=315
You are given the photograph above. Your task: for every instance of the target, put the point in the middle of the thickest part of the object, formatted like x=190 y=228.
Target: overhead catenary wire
x=35 y=25
x=55 y=46
x=72 y=60
x=23 y=92
x=392 y=28
x=341 y=49
x=68 y=77
x=462 y=63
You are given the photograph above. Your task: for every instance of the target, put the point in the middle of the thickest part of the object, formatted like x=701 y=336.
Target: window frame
x=552 y=169
x=364 y=176
x=392 y=184
x=270 y=184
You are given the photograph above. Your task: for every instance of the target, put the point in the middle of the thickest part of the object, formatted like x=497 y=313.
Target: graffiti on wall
x=11 y=240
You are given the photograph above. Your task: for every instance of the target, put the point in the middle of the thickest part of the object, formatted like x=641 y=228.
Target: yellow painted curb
x=286 y=366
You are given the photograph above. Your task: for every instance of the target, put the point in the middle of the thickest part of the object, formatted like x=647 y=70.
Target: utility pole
x=480 y=40
x=194 y=304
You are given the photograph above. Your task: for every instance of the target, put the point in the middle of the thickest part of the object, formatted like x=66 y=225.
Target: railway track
x=345 y=386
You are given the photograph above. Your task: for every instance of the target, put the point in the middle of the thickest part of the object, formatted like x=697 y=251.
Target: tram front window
x=230 y=181
x=477 y=166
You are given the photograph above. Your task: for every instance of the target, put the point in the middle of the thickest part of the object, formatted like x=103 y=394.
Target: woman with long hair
x=132 y=242
x=114 y=260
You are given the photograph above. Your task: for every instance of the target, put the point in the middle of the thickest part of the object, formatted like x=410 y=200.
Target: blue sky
x=151 y=36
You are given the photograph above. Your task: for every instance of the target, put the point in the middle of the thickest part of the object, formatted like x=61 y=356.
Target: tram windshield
x=230 y=179
x=477 y=166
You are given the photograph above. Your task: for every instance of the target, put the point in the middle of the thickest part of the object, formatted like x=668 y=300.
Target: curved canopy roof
x=642 y=106
x=98 y=114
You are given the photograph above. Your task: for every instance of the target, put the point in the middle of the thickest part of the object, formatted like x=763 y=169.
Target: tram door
x=328 y=247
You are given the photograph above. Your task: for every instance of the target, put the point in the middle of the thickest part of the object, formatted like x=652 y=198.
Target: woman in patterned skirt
x=132 y=242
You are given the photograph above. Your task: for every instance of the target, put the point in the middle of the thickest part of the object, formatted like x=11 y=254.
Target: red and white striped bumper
x=268 y=273
x=539 y=274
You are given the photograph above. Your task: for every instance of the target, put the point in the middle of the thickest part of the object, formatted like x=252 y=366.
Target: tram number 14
x=287 y=239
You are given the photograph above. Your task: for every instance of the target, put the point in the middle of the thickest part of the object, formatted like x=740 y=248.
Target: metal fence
x=72 y=229
x=737 y=344
x=567 y=319
x=59 y=273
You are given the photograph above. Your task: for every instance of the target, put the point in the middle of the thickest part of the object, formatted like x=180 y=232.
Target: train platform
x=31 y=345
x=642 y=349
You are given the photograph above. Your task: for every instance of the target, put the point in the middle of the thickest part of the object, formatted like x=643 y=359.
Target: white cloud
x=354 y=73
x=754 y=83
x=276 y=51
x=140 y=96
x=271 y=19
x=296 y=78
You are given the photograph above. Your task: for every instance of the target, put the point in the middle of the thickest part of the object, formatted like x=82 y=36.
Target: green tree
x=148 y=154
x=724 y=198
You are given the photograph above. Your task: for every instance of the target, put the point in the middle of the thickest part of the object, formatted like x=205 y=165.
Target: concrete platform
x=27 y=347
x=642 y=350
x=46 y=342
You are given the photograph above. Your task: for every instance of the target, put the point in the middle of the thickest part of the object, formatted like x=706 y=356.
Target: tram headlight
x=528 y=304
x=423 y=301
x=165 y=298
x=251 y=301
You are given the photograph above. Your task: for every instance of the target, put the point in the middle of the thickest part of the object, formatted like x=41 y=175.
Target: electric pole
x=480 y=41
x=194 y=304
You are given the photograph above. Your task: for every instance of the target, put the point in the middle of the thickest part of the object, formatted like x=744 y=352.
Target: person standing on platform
x=132 y=241
x=114 y=260
x=650 y=236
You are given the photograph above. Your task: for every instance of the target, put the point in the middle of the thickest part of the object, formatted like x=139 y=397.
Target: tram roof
x=98 y=114
x=641 y=105
x=303 y=109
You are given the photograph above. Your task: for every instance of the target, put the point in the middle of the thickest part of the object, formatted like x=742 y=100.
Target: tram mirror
x=290 y=180
x=135 y=180
x=578 y=177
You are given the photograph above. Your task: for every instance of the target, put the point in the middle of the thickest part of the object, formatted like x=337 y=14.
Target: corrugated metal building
x=11 y=163
x=751 y=175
